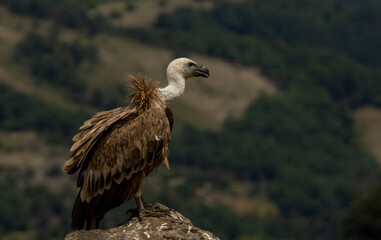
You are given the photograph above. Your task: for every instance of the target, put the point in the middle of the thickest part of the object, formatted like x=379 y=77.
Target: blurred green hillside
x=282 y=142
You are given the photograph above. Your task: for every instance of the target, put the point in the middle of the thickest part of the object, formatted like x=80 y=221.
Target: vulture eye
x=191 y=65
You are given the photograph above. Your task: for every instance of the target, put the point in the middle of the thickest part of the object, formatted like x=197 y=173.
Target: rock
x=164 y=223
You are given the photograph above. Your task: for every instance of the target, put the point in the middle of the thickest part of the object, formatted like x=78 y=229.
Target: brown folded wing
x=115 y=145
x=91 y=131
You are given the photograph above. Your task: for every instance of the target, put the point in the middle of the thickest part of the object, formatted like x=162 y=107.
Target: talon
x=132 y=212
x=148 y=206
x=143 y=209
x=144 y=213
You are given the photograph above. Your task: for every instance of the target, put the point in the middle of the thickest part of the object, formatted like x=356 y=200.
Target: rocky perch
x=164 y=223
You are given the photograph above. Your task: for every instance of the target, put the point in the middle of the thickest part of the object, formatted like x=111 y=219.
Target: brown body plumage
x=115 y=150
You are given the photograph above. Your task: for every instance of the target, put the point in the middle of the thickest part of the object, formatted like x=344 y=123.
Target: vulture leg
x=139 y=202
x=138 y=197
x=144 y=210
x=141 y=210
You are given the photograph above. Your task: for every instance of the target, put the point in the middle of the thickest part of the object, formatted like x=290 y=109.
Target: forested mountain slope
x=268 y=148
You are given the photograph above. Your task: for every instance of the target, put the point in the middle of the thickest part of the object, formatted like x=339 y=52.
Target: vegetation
x=301 y=148
x=58 y=63
x=72 y=14
x=27 y=207
x=52 y=60
x=288 y=46
x=22 y=112
x=364 y=219
x=345 y=26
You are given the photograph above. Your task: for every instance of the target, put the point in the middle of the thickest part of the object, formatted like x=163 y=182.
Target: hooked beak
x=202 y=71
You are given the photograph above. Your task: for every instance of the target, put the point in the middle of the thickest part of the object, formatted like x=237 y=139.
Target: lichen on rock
x=163 y=223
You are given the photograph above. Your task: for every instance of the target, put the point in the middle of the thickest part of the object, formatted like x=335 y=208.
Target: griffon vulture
x=115 y=150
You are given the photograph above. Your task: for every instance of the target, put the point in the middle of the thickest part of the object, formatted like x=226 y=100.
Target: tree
x=364 y=220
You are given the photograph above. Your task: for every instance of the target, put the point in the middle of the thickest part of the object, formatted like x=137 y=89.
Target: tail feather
x=90 y=214
x=86 y=214
x=78 y=215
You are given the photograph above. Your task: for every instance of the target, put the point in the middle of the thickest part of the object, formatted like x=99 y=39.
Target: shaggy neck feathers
x=146 y=94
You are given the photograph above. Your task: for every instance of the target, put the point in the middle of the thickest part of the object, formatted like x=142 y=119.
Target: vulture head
x=178 y=71
x=187 y=68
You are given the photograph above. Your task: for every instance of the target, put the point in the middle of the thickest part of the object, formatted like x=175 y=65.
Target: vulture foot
x=149 y=210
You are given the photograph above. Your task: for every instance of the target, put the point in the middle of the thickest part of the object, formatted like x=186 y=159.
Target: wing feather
x=91 y=131
x=129 y=146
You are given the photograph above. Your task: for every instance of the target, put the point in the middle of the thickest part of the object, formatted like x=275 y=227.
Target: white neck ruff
x=175 y=88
